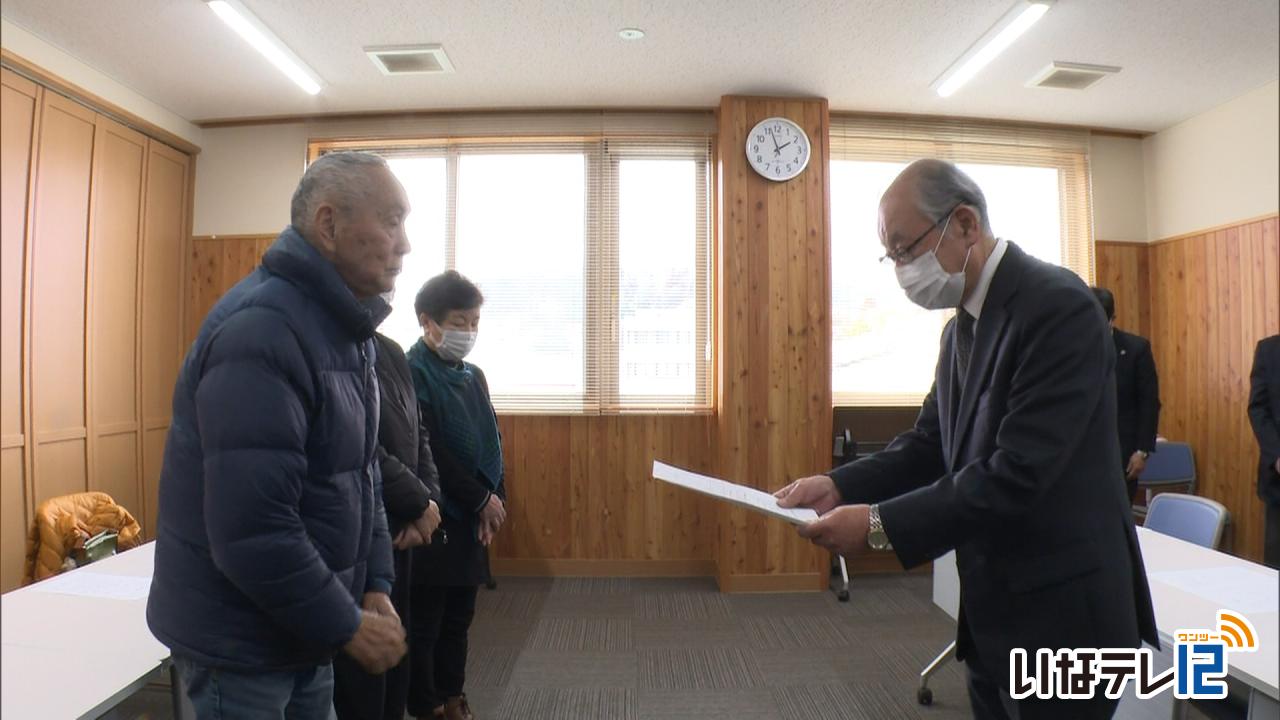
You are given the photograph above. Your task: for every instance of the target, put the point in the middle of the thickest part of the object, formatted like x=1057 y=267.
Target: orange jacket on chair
x=62 y=523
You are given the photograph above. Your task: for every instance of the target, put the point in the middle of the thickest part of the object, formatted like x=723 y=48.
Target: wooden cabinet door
x=119 y=164
x=164 y=248
x=59 y=225
x=19 y=103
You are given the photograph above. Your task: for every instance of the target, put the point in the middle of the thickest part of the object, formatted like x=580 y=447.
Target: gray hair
x=337 y=177
x=941 y=186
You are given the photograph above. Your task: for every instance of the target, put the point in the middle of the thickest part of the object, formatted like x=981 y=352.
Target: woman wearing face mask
x=457 y=412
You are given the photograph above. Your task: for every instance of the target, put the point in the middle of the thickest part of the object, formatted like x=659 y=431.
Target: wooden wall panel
x=119 y=164
x=60 y=467
x=19 y=105
x=1123 y=269
x=116 y=469
x=1213 y=296
x=216 y=264
x=775 y=358
x=579 y=489
x=165 y=234
x=13 y=518
x=60 y=224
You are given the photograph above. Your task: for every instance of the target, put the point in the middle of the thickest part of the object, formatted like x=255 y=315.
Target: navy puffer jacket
x=271 y=524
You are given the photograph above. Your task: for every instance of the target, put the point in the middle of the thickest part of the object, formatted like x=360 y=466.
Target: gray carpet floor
x=633 y=649
x=627 y=649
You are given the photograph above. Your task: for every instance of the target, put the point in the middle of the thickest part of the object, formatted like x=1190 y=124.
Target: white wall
x=58 y=62
x=246 y=176
x=1217 y=168
x=1119 y=189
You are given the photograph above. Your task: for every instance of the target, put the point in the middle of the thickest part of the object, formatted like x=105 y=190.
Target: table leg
x=1262 y=707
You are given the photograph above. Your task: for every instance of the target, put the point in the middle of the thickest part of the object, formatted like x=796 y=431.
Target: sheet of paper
x=1233 y=588
x=749 y=498
x=85 y=583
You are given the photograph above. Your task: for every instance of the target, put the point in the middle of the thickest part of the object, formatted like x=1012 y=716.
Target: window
x=663 y=349
x=521 y=237
x=424 y=179
x=593 y=255
x=884 y=348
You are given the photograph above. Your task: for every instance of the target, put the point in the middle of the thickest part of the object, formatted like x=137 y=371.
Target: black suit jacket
x=1019 y=472
x=1264 y=414
x=1137 y=394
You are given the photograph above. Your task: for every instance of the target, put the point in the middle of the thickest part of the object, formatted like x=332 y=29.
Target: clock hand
x=774 y=138
x=784 y=145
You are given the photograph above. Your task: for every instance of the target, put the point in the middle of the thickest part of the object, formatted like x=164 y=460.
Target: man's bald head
x=351 y=208
x=340 y=179
x=935 y=187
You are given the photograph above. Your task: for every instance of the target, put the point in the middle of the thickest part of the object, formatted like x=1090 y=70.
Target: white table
x=1179 y=609
x=71 y=656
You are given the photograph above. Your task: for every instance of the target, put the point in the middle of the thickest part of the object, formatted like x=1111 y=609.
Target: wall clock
x=778 y=149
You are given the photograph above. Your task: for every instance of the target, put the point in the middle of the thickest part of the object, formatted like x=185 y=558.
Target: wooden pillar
x=774 y=340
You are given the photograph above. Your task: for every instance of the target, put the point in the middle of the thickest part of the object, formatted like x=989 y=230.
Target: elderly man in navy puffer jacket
x=272 y=552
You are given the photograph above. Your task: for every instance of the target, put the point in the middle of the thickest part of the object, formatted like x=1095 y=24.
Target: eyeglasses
x=902 y=254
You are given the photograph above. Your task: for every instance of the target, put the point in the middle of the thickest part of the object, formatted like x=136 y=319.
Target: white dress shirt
x=973 y=305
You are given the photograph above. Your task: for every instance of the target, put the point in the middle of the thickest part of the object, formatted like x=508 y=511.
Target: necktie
x=964 y=342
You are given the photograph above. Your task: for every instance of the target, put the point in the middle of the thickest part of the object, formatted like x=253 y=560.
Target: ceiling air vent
x=410 y=59
x=1071 y=76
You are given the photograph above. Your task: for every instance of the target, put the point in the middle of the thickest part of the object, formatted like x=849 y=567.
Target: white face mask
x=928 y=284
x=456 y=344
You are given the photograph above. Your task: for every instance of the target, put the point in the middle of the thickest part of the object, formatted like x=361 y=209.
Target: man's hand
x=408 y=537
x=843 y=531
x=494 y=512
x=379 y=604
x=428 y=522
x=1277 y=466
x=378 y=644
x=1137 y=463
x=817 y=492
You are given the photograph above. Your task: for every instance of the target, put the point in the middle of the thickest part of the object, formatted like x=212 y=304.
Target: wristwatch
x=1145 y=454
x=876 y=536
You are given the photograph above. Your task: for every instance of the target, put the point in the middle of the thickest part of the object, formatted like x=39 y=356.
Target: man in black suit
x=1137 y=395
x=1014 y=460
x=1264 y=415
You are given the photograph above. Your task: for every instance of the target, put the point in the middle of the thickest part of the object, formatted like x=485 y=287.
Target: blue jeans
x=218 y=693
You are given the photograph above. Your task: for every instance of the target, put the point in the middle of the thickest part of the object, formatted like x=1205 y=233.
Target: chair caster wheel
x=843 y=596
x=924 y=696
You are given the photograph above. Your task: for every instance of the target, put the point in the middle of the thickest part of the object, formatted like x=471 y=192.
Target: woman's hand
x=408 y=537
x=426 y=524
x=494 y=512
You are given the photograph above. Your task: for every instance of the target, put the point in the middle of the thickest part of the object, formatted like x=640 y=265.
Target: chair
x=1201 y=521
x=62 y=523
x=1188 y=517
x=1171 y=465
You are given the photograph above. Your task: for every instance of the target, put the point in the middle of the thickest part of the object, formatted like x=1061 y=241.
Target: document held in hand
x=746 y=497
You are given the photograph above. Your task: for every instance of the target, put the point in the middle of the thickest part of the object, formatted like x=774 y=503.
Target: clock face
x=778 y=149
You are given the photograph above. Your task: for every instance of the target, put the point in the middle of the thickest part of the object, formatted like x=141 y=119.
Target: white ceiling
x=1180 y=57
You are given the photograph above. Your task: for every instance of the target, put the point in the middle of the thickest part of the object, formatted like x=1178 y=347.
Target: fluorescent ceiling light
x=264 y=41
x=1001 y=35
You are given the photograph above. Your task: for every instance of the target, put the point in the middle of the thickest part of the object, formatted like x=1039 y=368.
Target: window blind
x=903 y=139
x=1036 y=181
x=592 y=248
